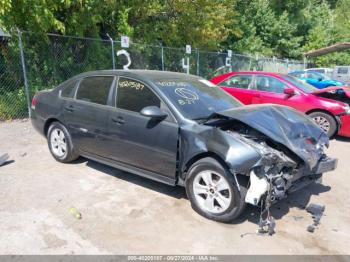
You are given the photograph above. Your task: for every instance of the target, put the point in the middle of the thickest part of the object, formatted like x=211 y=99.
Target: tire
x=221 y=211
x=60 y=143
x=325 y=121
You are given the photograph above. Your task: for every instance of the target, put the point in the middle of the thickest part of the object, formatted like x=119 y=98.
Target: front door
x=86 y=114
x=271 y=90
x=140 y=141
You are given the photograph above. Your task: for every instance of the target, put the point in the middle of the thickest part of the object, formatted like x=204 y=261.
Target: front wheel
x=60 y=143
x=212 y=191
x=325 y=121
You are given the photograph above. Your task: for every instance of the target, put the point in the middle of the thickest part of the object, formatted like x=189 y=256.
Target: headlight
x=347 y=110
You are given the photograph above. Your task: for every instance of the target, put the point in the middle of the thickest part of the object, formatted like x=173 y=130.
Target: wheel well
x=198 y=157
x=326 y=112
x=48 y=123
x=242 y=179
x=323 y=111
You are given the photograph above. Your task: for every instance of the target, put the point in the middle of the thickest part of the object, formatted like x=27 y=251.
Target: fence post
x=197 y=62
x=162 y=52
x=113 y=55
x=26 y=89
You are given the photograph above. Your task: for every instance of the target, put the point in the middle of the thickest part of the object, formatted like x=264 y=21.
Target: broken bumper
x=259 y=186
x=326 y=165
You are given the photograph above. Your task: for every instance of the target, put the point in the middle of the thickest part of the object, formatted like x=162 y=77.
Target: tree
x=264 y=31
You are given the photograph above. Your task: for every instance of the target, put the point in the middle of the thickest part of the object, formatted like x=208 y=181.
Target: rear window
x=322 y=71
x=68 y=90
x=342 y=70
x=95 y=89
x=239 y=81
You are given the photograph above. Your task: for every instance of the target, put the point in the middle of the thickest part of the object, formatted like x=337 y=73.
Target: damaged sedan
x=183 y=130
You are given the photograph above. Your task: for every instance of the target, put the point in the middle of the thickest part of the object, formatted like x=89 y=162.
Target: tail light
x=34 y=102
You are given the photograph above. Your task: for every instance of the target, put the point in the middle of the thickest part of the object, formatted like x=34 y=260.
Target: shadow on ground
x=172 y=191
x=342 y=138
x=299 y=199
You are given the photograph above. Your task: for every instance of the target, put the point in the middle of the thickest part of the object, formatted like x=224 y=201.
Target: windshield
x=299 y=84
x=316 y=75
x=196 y=98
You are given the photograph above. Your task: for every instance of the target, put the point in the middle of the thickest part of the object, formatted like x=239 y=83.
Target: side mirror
x=320 y=79
x=289 y=91
x=153 y=112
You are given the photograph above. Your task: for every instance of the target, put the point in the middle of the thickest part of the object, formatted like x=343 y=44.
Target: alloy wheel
x=212 y=191
x=58 y=143
x=322 y=122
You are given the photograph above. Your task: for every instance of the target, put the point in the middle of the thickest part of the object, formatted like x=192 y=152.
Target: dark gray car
x=182 y=130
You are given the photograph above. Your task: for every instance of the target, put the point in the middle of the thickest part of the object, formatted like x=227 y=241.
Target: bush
x=13 y=105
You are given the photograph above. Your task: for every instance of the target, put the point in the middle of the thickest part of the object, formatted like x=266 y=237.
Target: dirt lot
x=126 y=214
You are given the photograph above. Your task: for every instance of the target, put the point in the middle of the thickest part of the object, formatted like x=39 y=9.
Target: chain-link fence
x=51 y=59
x=12 y=92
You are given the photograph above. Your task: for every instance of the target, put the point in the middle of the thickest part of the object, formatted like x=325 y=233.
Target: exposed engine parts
x=273 y=177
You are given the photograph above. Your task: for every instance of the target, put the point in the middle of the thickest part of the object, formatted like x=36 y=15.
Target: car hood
x=332 y=82
x=346 y=90
x=286 y=126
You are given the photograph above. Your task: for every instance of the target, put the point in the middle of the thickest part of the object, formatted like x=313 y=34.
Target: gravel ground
x=125 y=214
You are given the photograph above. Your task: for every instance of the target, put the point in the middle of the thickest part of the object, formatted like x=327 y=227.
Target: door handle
x=257 y=95
x=119 y=120
x=69 y=108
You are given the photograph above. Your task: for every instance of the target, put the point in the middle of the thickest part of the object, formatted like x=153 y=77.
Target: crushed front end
x=290 y=145
x=280 y=171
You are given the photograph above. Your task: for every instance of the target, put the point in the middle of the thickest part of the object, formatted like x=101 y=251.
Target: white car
x=342 y=73
x=323 y=70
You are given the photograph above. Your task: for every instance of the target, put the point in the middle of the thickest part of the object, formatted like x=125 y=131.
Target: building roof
x=329 y=49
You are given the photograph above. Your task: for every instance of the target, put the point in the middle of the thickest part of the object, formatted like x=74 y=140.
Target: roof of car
x=296 y=71
x=220 y=78
x=150 y=74
x=256 y=72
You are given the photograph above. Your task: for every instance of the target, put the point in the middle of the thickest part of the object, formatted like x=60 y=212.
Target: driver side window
x=270 y=84
x=133 y=95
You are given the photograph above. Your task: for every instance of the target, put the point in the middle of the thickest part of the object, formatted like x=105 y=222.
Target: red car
x=329 y=109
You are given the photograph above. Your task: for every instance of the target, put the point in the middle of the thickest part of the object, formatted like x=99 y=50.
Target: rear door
x=140 y=141
x=241 y=86
x=86 y=114
x=271 y=90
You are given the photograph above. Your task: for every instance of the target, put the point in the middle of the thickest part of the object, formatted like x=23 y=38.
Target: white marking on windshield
x=189 y=96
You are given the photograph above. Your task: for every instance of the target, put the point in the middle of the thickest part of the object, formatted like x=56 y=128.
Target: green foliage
x=268 y=27
x=284 y=29
x=13 y=105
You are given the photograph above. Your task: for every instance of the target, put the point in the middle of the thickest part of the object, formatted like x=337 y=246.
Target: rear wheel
x=212 y=191
x=325 y=121
x=60 y=143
